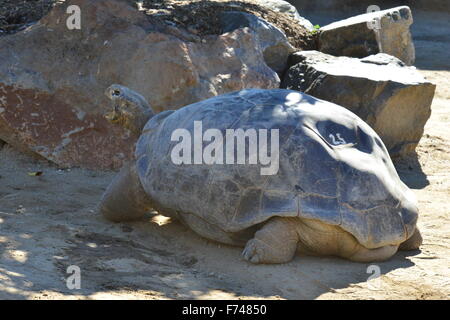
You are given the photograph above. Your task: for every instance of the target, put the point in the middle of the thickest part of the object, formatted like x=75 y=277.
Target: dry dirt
x=48 y=222
x=17 y=15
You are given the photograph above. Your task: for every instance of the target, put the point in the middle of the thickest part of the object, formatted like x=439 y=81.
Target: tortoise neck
x=141 y=120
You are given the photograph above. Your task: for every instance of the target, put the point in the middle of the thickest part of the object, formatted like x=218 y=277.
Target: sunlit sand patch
x=161 y=220
x=125 y=295
x=18 y=255
x=223 y=295
x=4 y=272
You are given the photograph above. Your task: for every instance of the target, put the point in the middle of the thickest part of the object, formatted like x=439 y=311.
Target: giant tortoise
x=334 y=190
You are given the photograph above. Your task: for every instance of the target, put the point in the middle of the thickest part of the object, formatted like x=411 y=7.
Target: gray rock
x=287 y=8
x=392 y=98
x=274 y=44
x=360 y=6
x=52 y=79
x=352 y=37
x=433 y=5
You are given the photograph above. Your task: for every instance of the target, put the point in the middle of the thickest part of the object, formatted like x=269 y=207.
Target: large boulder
x=433 y=5
x=286 y=8
x=360 y=36
x=276 y=47
x=391 y=97
x=52 y=79
x=359 y=6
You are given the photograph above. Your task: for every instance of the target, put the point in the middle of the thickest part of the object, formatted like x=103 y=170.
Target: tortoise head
x=129 y=108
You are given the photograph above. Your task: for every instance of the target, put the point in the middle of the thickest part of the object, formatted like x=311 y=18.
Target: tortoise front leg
x=275 y=242
x=125 y=198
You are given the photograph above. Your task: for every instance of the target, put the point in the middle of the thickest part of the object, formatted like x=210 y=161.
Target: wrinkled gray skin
x=130 y=109
x=335 y=199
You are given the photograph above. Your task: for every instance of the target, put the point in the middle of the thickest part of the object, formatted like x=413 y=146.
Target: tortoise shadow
x=341 y=274
x=309 y=277
x=173 y=260
x=146 y=257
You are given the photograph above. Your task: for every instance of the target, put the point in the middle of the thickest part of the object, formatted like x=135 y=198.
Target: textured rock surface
x=52 y=79
x=349 y=182
x=352 y=37
x=392 y=98
x=287 y=8
x=432 y=5
x=273 y=42
x=359 y=6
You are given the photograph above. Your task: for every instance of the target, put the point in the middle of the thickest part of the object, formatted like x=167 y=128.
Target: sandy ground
x=48 y=223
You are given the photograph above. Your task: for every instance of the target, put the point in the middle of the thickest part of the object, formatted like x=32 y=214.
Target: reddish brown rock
x=52 y=79
x=45 y=124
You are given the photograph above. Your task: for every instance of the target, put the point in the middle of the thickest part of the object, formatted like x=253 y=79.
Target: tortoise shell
x=331 y=167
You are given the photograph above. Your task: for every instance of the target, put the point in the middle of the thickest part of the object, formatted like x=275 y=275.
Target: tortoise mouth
x=114 y=115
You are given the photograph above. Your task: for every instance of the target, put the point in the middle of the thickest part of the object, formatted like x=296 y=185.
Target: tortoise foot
x=275 y=242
